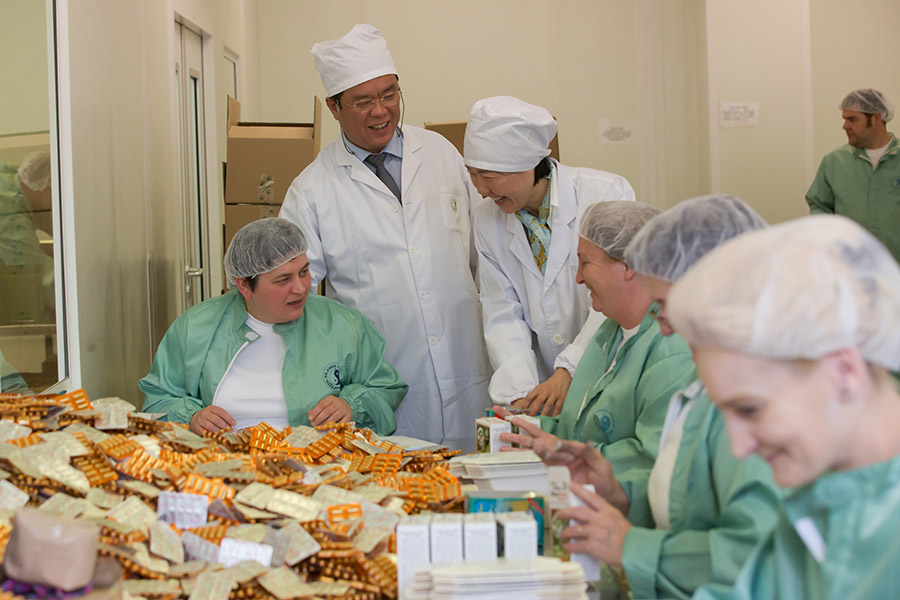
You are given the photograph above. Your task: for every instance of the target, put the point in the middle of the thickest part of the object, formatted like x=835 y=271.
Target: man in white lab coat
x=386 y=208
x=537 y=320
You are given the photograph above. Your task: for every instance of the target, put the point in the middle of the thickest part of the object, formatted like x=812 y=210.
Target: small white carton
x=517 y=535
x=413 y=549
x=480 y=536
x=446 y=539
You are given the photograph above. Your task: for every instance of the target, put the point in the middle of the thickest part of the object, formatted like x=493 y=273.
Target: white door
x=191 y=137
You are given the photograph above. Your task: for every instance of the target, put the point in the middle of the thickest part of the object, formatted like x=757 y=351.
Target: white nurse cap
x=507 y=135
x=357 y=57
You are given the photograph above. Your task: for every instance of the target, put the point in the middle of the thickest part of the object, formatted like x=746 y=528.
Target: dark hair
x=542 y=170
x=869 y=119
x=251 y=282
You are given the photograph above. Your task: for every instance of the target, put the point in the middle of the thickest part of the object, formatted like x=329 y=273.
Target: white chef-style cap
x=507 y=135
x=357 y=57
x=801 y=289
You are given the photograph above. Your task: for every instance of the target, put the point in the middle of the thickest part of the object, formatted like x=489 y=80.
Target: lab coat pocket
x=449 y=201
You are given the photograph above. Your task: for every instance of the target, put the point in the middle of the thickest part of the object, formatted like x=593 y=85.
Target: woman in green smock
x=618 y=396
x=794 y=329
x=708 y=508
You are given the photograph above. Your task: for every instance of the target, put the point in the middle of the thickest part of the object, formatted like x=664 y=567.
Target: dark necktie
x=377 y=161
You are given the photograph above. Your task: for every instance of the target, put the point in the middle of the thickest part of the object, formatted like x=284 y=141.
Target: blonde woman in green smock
x=794 y=329
x=709 y=508
x=622 y=384
x=269 y=351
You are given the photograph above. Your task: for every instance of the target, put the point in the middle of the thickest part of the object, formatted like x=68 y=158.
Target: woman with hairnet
x=269 y=351
x=621 y=388
x=526 y=235
x=709 y=508
x=794 y=329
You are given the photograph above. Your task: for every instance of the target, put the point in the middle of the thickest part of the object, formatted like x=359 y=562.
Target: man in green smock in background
x=618 y=396
x=269 y=351
x=861 y=180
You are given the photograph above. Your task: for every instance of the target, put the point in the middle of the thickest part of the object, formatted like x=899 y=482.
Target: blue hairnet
x=798 y=290
x=870 y=102
x=261 y=246
x=612 y=225
x=669 y=243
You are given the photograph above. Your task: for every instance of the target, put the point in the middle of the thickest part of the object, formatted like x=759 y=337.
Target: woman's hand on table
x=212 y=419
x=330 y=409
x=600 y=530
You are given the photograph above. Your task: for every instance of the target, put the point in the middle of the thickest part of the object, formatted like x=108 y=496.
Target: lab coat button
x=423 y=294
x=557 y=339
x=395 y=207
x=413 y=249
x=432 y=340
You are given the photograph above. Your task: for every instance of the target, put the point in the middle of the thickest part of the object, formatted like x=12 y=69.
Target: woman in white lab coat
x=537 y=321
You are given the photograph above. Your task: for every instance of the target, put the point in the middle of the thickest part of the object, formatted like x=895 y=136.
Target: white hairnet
x=870 y=102
x=669 y=243
x=507 y=135
x=357 y=57
x=261 y=246
x=34 y=171
x=801 y=289
x=612 y=225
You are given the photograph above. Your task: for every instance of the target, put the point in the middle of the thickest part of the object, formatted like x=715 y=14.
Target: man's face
x=861 y=129
x=279 y=295
x=373 y=128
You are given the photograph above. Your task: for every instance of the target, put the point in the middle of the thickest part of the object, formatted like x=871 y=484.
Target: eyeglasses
x=367 y=104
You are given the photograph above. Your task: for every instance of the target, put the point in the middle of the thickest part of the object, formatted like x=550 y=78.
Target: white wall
x=854 y=45
x=23 y=46
x=583 y=60
x=757 y=53
x=125 y=176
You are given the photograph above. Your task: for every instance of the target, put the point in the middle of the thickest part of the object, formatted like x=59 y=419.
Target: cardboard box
x=238 y=215
x=455 y=131
x=264 y=158
x=480 y=537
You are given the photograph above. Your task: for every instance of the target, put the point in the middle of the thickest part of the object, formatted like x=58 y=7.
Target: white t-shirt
x=876 y=154
x=661 y=475
x=251 y=390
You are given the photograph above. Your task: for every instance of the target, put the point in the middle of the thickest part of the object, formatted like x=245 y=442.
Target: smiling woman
x=794 y=329
x=270 y=352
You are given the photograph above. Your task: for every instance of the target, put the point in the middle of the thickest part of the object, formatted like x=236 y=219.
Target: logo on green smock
x=332 y=377
x=607 y=422
x=453 y=204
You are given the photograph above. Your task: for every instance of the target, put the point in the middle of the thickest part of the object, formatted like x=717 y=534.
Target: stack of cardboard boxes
x=263 y=160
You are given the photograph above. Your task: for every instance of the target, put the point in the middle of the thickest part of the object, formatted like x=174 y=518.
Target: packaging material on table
x=480 y=536
x=446 y=539
x=257 y=512
x=560 y=497
x=517 y=535
x=517 y=430
x=502 y=502
x=45 y=549
x=487 y=434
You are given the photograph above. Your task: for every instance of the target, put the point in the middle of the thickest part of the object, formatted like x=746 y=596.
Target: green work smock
x=331 y=350
x=855 y=515
x=846 y=184
x=625 y=407
x=719 y=509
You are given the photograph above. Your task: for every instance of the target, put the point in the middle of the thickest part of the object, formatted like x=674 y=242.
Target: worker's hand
x=330 y=409
x=527 y=442
x=586 y=466
x=547 y=398
x=600 y=529
x=212 y=419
